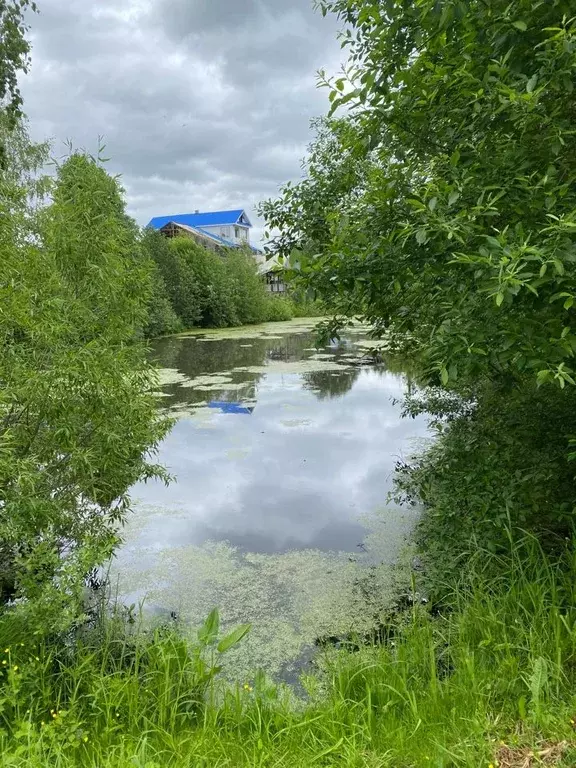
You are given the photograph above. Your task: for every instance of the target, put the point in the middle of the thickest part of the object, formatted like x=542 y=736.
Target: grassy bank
x=490 y=679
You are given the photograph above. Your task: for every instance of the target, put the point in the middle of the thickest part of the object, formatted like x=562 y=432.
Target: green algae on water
x=168 y=376
x=291 y=599
x=293 y=366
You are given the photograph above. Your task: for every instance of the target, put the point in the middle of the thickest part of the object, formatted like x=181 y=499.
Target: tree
x=182 y=289
x=162 y=320
x=14 y=58
x=77 y=415
x=460 y=226
x=207 y=271
x=249 y=293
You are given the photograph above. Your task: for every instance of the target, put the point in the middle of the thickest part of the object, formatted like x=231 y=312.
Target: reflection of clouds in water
x=287 y=481
x=267 y=504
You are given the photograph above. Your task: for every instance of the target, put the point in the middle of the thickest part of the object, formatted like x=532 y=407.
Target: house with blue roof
x=212 y=229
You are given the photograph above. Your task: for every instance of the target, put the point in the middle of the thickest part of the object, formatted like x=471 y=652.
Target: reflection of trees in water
x=291 y=348
x=195 y=358
x=325 y=384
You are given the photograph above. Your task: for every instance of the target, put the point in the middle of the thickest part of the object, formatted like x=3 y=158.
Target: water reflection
x=279 y=448
x=327 y=384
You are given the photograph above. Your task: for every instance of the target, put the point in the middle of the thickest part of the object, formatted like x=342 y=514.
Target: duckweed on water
x=291 y=599
x=209 y=379
x=265 y=330
x=296 y=366
x=168 y=376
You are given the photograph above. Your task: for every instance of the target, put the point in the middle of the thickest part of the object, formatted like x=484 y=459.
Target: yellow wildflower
x=85 y=738
x=15 y=668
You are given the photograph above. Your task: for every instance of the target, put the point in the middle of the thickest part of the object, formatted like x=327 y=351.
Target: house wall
x=233 y=232
x=275 y=282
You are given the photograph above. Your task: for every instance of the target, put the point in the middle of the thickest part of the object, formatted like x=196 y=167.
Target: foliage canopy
x=444 y=203
x=77 y=416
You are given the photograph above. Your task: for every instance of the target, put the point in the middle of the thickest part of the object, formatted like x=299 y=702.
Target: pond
x=283 y=455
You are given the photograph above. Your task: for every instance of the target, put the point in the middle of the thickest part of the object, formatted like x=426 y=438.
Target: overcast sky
x=203 y=104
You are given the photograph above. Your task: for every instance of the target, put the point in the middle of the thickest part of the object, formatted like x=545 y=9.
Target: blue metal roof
x=208 y=219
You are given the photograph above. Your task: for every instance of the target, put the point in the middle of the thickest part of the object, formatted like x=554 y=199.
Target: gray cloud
x=202 y=103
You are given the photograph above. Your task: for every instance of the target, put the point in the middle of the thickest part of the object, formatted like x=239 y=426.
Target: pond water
x=283 y=455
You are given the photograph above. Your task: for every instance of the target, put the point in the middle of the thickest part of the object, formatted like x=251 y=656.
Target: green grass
x=499 y=665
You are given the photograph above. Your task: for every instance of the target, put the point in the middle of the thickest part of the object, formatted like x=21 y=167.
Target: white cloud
x=202 y=103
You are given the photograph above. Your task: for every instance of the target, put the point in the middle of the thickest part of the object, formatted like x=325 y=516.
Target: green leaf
x=234 y=637
x=499 y=299
x=543 y=376
x=444 y=376
x=453 y=197
x=532 y=83
x=209 y=630
x=433 y=203
x=521 y=25
x=416 y=203
x=522 y=707
x=422 y=236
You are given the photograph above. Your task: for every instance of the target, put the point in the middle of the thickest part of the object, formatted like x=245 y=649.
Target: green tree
x=183 y=290
x=162 y=320
x=77 y=416
x=459 y=224
x=248 y=290
x=208 y=273
x=14 y=58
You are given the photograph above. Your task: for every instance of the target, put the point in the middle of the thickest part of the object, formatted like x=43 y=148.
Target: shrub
x=181 y=286
x=279 y=308
x=162 y=320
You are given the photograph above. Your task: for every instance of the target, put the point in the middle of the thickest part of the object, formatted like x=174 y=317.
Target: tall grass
x=497 y=665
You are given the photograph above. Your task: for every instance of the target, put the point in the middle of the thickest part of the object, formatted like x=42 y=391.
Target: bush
x=162 y=320
x=304 y=307
x=181 y=286
x=249 y=293
x=279 y=308
x=207 y=289
x=501 y=458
